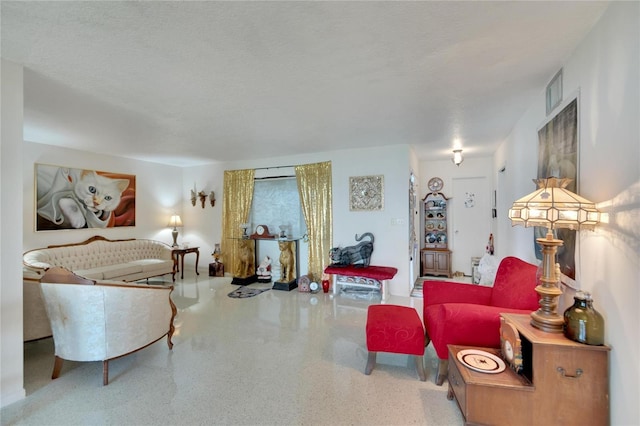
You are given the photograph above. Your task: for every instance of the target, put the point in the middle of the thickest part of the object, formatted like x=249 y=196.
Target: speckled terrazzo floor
x=279 y=358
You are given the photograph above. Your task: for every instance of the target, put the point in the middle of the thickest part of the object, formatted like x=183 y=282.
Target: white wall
x=202 y=227
x=605 y=69
x=158 y=194
x=11 y=349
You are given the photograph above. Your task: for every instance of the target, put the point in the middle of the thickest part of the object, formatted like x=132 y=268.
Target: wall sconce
x=202 y=196
x=457 y=157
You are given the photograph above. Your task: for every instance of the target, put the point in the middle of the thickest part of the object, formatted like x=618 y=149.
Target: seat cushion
x=152 y=265
x=464 y=324
x=395 y=329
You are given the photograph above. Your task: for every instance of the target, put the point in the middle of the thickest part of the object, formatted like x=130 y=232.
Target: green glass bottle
x=582 y=323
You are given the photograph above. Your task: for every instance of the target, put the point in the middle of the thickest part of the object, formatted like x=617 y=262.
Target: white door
x=470 y=211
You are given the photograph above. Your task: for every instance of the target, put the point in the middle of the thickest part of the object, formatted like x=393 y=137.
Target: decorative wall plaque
x=366 y=193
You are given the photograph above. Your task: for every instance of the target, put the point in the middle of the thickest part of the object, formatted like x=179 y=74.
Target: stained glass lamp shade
x=552 y=206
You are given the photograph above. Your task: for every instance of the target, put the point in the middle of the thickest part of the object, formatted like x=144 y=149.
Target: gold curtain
x=236 y=206
x=314 y=187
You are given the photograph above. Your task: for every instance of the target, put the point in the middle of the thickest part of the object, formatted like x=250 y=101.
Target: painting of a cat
x=75 y=198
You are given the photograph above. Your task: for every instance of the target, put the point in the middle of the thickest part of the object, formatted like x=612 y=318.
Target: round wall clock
x=435 y=184
x=511 y=345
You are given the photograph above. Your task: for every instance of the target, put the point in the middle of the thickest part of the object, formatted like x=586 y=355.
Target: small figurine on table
x=264 y=270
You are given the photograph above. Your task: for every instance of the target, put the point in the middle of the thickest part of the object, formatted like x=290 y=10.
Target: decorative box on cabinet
x=563 y=382
x=436 y=262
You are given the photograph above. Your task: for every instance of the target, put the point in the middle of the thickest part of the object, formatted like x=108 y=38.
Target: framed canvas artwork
x=558 y=157
x=68 y=198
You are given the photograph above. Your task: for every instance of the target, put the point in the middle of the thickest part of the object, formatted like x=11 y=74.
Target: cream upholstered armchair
x=104 y=320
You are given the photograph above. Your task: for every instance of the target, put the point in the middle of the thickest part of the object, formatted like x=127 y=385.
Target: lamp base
x=546 y=318
x=174 y=234
x=549 y=323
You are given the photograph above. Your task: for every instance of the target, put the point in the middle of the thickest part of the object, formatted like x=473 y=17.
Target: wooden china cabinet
x=436 y=256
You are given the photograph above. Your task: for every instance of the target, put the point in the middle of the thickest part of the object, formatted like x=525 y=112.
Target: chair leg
x=105 y=373
x=57 y=366
x=420 y=367
x=371 y=362
x=443 y=368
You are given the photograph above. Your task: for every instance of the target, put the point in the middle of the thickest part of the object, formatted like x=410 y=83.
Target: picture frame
x=366 y=193
x=73 y=198
x=558 y=142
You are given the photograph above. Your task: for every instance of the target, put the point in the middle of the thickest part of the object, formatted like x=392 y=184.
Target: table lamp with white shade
x=552 y=206
x=174 y=222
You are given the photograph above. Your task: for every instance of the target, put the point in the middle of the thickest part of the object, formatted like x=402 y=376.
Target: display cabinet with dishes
x=436 y=256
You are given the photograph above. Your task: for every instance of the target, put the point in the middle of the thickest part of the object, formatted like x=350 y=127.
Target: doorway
x=471 y=214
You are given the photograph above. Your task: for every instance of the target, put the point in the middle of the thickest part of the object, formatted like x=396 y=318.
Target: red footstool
x=395 y=329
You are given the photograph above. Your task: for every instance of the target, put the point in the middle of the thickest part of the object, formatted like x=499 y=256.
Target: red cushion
x=464 y=324
x=515 y=284
x=437 y=292
x=395 y=329
x=379 y=273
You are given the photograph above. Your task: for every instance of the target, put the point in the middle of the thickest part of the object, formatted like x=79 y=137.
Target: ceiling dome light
x=457 y=157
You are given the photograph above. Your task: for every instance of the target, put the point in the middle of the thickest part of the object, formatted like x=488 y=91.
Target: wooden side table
x=563 y=382
x=179 y=253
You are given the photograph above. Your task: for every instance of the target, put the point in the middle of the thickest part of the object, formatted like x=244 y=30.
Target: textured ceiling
x=187 y=83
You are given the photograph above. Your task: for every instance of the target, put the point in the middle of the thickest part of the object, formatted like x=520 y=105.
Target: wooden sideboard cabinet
x=563 y=382
x=436 y=262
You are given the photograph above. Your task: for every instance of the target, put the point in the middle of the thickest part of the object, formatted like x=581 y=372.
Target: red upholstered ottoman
x=395 y=329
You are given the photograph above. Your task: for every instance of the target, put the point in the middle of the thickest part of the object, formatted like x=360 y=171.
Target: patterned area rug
x=244 y=291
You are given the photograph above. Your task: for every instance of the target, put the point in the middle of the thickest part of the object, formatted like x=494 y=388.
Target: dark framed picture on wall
x=70 y=198
x=558 y=157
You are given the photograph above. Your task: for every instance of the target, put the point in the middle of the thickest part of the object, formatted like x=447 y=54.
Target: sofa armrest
x=136 y=316
x=438 y=292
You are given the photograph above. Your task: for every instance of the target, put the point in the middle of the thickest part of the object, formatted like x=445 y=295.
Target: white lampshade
x=175 y=221
x=553 y=206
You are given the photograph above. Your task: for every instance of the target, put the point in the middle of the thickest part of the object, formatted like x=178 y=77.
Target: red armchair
x=467 y=314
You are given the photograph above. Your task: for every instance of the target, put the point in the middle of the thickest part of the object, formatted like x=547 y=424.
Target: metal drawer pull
x=569 y=376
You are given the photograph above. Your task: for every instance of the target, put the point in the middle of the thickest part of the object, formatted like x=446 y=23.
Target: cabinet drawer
x=457 y=386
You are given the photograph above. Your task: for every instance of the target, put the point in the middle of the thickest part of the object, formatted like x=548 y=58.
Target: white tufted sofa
x=101 y=259
x=97 y=259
